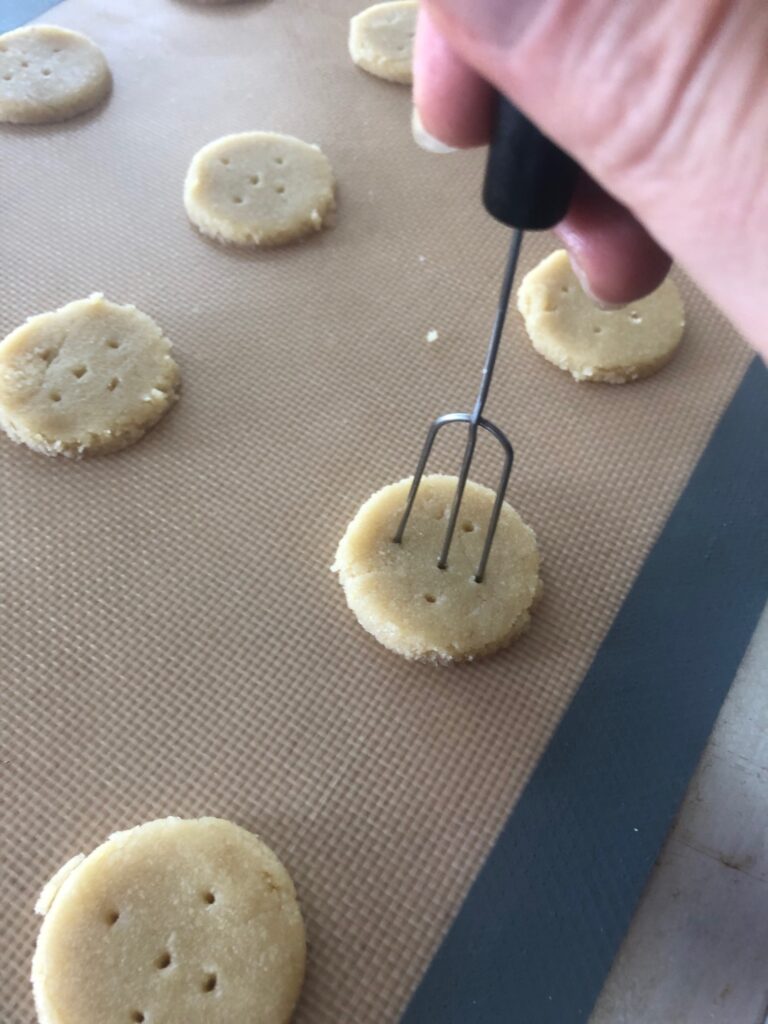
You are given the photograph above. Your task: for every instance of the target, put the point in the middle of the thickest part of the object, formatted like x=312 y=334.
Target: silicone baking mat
x=171 y=640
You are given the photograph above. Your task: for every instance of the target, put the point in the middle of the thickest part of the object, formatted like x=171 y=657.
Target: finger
x=659 y=102
x=454 y=103
x=612 y=254
x=615 y=258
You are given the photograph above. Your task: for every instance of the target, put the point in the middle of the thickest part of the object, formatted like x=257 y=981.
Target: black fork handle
x=529 y=181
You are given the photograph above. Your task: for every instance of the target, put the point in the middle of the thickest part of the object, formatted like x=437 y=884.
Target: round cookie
x=400 y=596
x=86 y=379
x=381 y=40
x=49 y=74
x=614 y=346
x=175 y=921
x=259 y=188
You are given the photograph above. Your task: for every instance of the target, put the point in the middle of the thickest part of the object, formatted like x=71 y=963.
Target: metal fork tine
x=501 y=491
x=469 y=451
x=425 y=453
x=474 y=419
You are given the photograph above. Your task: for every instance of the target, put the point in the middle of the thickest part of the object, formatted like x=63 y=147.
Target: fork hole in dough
x=50 y=74
x=610 y=346
x=381 y=40
x=168 y=961
x=468 y=527
x=283 y=197
x=113 y=916
x=209 y=897
x=57 y=371
x=403 y=598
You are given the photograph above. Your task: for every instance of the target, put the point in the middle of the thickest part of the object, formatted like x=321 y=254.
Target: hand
x=664 y=104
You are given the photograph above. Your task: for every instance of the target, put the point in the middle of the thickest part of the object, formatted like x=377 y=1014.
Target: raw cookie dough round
x=259 y=188
x=614 y=346
x=49 y=74
x=400 y=596
x=175 y=921
x=381 y=40
x=86 y=379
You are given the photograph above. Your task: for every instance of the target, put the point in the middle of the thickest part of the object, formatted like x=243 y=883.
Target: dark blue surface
x=15 y=12
x=535 y=938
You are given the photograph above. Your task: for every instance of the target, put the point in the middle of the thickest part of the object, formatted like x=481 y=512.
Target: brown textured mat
x=171 y=641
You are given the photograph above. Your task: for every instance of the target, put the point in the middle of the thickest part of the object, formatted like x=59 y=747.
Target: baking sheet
x=171 y=641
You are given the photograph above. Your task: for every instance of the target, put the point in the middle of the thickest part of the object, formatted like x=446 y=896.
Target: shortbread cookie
x=259 y=188
x=381 y=40
x=173 y=922
x=49 y=74
x=614 y=346
x=400 y=596
x=86 y=379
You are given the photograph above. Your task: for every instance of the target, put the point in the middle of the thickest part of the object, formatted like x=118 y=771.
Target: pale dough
x=613 y=346
x=49 y=74
x=259 y=188
x=400 y=596
x=172 y=922
x=381 y=40
x=89 y=378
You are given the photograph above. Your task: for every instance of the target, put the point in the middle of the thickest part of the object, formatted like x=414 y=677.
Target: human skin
x=663 y=103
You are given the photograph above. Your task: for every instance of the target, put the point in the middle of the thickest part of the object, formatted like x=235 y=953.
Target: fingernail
x=581 y=277
x=423 y=139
